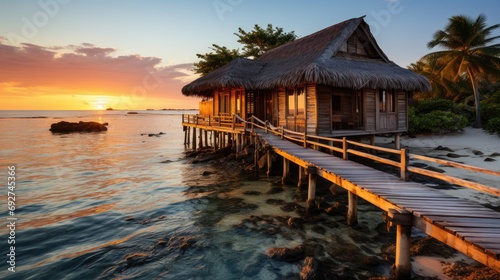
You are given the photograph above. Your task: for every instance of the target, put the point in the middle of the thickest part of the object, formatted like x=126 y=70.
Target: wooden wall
x=371 y=109
x=281 y=107
x=311 y=109
x=324 y=96
x=402 y=107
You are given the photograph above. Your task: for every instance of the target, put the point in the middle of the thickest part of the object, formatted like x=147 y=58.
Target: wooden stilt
x=216 y=140
x=188 y=135
x=193 y=143
x=185 y=134
x=206 y=138
x=302 y=175
x=372 y=139
x=269 y=163
x=403 y=221
x=352 y=210
x=238 y=142
x=200 y=144
x=286 y=168
x=397 y=141
x=311 y=191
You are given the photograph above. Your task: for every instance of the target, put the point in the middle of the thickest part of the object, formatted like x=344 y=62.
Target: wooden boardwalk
x=461 y=224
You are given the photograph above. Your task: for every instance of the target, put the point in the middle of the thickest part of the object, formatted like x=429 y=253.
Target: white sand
x=463 y=144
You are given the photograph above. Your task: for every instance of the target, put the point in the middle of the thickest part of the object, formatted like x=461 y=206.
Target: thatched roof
x=237 y=73
x=315 y=58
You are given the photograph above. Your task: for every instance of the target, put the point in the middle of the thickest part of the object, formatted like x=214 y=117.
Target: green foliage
x=493 y=125
x=490 y=111
x=467 y=51
x=436 y=122
x=255 y=43
x=259 y=40
x=215 y=59
x=429 y=105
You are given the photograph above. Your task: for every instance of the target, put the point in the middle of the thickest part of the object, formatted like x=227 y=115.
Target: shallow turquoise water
x=121 y=205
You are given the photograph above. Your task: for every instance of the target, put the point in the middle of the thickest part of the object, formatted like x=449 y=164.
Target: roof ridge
x=344 y=35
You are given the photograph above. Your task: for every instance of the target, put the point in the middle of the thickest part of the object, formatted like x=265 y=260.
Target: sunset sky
x=93 y=54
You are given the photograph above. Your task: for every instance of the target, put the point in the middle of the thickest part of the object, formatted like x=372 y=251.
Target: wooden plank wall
x=370 y=107
x=324 y=95
x=282 y=107
x=402 y=99
x=311 y=109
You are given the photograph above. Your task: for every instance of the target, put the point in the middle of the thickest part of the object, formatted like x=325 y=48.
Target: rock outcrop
x=67 y=127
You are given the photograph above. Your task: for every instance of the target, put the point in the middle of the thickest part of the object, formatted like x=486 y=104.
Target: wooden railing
x=347 y=147
x=226 y=120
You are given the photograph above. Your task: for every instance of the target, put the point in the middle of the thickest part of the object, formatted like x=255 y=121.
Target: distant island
x=109 y=109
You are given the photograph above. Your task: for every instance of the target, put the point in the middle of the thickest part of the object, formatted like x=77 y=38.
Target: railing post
x=345 y=156
x=267 y=128
x=305 y=139
x=404 y=165
x=234 y=121
x=282 y=132
x=209 y=120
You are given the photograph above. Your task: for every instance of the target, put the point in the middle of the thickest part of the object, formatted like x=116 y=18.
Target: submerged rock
x=286 y=254
x=67 y=127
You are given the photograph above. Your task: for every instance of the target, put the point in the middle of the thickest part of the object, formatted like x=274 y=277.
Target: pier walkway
x=468 y=227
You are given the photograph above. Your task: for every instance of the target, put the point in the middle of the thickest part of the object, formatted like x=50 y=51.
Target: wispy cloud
x=87 y=69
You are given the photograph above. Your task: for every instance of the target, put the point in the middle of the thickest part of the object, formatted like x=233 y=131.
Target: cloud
x=88 y=69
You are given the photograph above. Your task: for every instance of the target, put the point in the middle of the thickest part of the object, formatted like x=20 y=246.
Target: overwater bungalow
x=335 y=82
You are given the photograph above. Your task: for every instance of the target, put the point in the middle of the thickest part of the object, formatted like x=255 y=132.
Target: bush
x=429 y=105
x=493 y=125
x=489 y=111
x=435 y=122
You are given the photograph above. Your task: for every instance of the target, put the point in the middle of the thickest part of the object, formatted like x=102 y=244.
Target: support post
x=397 y=141
x=302 y=176
x=286 y=168
x=372 y=139
x=352 y=210
x=185 y=132
x=238 y=142
x=403 y=221
x=200 y=144
x=311 y=191
x=206 y=138
x=269 y=162
x=188 y=135
x=193 y=144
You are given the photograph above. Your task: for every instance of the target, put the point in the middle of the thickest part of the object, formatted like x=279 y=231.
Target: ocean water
x=123 y=205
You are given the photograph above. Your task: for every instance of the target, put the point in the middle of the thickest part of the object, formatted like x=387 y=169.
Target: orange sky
x=86 y=77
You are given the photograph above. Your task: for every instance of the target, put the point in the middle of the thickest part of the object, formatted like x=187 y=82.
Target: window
x=238 y=102
x=296 y=102
x=387 y=102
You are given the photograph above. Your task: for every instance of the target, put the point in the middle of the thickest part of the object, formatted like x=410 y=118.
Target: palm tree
x=441 y=86
x=466 y=52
